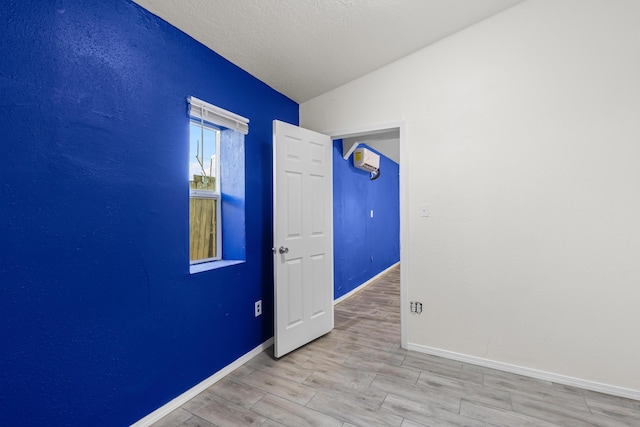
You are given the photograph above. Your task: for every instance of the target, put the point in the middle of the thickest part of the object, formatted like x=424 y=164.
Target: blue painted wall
x=357 y=236
x=100 y=321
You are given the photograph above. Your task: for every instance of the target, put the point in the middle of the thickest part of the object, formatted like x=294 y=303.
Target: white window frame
x=214 y=118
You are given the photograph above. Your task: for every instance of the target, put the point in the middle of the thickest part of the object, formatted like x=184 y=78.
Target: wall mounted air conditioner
x=366 y=160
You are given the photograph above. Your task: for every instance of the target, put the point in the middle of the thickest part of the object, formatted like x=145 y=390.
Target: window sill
x=213 y=265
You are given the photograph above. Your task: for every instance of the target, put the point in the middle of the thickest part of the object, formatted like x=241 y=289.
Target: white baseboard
x=197 y=389
x=368 y=282
x=533 y=373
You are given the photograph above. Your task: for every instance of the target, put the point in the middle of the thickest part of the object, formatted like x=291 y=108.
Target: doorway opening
x=368 y=214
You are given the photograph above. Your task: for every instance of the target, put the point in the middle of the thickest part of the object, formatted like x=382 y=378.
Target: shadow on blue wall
x=364 y=246
x=101 y=322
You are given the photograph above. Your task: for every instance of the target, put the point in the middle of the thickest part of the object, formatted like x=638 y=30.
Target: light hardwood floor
x=358 y=375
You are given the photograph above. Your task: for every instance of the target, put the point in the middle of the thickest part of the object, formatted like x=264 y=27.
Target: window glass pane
x=204 y=209
x=202 y=220
x=202 y=157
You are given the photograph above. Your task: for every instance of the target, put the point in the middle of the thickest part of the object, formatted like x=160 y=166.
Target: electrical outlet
x=415 y=307
x=258 y=308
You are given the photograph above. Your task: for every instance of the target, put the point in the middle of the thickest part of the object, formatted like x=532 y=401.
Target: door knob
x=283 y=250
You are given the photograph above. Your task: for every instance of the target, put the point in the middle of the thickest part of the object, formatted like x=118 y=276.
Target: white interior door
x=303 y=236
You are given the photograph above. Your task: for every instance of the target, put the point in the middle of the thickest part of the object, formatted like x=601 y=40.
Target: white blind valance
x=202 y=110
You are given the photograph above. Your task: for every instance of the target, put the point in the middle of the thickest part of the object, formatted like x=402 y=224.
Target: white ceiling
x=304 y=48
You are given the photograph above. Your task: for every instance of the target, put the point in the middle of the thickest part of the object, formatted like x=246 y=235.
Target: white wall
x=523 y=135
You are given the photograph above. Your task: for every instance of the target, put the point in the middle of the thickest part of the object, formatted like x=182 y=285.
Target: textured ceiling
x=304 y=48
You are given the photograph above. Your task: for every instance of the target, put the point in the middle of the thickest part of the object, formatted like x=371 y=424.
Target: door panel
x=295 y=301
x=303 y=228
x=293 y=212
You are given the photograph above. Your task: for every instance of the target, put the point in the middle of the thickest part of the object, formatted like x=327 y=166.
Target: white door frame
x=404 y=211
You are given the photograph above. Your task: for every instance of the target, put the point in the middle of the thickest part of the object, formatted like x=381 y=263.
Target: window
x=216 y=186
x=205 y=243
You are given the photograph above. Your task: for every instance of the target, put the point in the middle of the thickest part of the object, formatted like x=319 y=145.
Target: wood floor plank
x=556 y=397
x=196 y=421
x=298 y=356
x=340 y=350
x=441 y=398
x=514 y=382
x=355 y=380
x=443 y=370
x=428 y=357
x=409 y=375
x=562 y=414
x=235 y=392
x=279 y=386
x=594 y=396
x=291 y=414
x=352 y=411
x=372 y=353
x=337 y=385
x=611 y=410
x=326 y=349
x=241 y=371
x=373 y=329
x=174 y=418
x=409 y=423
x=362 y=340
x=467 y=390
x=287 y=368
x=499 y=417
x=426 y=414
x=222 y=413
